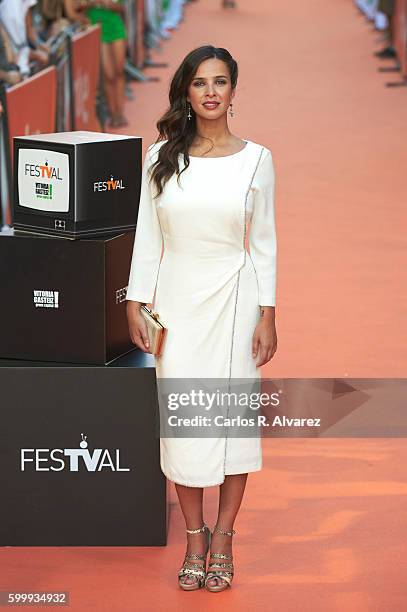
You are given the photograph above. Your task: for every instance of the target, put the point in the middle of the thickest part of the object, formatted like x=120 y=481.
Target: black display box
x=76 y=184
x=64 y=300
x=80 y=455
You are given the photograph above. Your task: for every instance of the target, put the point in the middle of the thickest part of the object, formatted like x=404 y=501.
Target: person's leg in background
x=118 y=51
x=109 y=80
x=153 y=33
x=387 y=7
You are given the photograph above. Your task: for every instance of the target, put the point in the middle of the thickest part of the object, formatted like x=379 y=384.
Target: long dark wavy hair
x=174 y=124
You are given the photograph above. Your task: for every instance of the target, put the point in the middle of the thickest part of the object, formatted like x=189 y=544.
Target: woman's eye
x=222 y=82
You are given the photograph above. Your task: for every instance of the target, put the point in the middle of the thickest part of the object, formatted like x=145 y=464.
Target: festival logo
x=71 y=459
x=43 y=180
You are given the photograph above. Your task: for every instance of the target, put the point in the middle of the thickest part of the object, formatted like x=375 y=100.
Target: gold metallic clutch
x=156 y=330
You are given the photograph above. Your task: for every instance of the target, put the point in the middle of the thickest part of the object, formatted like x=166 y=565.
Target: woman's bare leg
x=191 y=502
x=230 y=499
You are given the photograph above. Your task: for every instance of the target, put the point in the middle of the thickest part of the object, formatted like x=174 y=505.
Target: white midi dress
x=191 y=262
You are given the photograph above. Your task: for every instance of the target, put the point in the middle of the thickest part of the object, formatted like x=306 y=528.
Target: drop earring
x=231 y=113
x=189 y=112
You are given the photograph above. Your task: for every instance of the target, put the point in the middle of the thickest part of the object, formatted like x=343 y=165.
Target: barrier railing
x=85 y=73
x=20 y=118
x=60 y=58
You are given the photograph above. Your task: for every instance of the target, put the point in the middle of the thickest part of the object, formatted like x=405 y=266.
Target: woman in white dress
x=203 y=189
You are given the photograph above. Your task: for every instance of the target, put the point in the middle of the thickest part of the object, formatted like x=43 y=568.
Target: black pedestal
x=64 y=300
x=80 y=459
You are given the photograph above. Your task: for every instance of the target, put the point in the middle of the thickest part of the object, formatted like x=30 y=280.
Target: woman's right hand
x=137 y=326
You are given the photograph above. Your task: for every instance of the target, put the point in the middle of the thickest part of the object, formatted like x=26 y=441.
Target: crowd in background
x=28 y=27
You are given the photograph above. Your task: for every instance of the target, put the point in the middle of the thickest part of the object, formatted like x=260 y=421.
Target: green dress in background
x=112 y=23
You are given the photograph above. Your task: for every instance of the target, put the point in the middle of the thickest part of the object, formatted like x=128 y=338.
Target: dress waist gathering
x=200 y=248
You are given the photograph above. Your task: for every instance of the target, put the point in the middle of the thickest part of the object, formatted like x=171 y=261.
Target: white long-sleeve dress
x=189 y=250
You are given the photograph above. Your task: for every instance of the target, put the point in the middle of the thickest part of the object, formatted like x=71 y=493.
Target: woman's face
x=211 y=83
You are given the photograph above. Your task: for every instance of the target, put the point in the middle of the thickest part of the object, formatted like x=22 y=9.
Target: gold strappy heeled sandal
x=218 y=570
x=195 y=569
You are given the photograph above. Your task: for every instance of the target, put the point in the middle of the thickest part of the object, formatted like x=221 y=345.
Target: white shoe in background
x=381 y=21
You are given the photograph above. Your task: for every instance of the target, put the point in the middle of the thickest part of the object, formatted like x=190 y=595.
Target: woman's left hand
x=264 y=342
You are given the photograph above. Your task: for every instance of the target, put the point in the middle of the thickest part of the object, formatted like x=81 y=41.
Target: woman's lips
x=211 y=105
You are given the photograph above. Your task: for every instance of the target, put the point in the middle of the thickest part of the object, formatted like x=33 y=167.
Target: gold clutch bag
x=156 y=330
